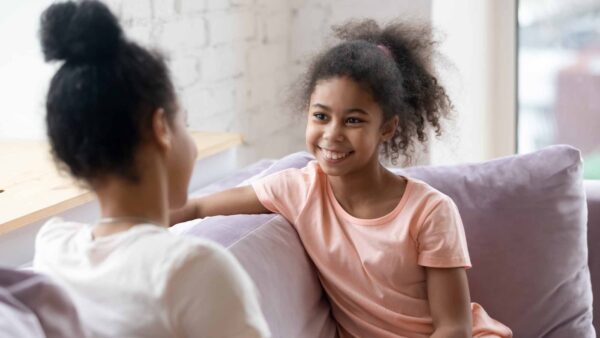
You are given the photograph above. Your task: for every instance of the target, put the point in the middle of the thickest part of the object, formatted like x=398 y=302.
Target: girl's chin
x=333 y=169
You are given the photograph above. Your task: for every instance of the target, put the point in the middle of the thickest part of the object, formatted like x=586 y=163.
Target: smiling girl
x=390 y=250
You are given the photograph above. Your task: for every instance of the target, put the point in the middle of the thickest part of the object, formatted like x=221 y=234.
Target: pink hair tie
x=385 y=50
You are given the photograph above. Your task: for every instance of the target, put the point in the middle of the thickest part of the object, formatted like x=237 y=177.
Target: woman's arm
x=450 y=302
x=242 y=200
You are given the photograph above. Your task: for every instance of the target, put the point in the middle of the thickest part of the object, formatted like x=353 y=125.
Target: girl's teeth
x=330 y=155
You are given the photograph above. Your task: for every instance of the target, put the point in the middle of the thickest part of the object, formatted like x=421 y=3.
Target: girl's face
x=180 y=161
x=345 y=127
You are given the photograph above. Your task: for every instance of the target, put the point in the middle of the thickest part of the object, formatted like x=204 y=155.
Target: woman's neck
x=120 y=198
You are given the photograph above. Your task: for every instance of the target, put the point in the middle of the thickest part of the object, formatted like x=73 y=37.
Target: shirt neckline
x=369 y=221
x=140 y=227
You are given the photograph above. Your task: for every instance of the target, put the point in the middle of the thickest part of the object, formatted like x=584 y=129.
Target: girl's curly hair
x=395 y=64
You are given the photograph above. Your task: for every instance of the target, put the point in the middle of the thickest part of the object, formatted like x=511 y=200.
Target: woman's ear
x=161 y=132
x=389 y=128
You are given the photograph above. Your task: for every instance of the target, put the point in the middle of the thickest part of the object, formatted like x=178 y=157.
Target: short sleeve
x=50 y=242
x=210 y=295
x=441 y=238
x=286 y=192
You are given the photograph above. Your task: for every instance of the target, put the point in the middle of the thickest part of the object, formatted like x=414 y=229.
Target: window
x=559 y=77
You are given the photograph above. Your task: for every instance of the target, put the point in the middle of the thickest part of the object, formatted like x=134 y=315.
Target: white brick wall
x=233 y=61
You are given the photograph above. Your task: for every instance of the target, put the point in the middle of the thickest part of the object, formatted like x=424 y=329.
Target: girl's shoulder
x=306 y=175
x=425 y=195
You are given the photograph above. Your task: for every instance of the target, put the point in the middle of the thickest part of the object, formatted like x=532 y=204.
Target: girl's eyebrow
x=322 y=106
x=350 y=110
x=356 y=110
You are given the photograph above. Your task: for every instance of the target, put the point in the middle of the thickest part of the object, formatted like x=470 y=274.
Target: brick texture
x=234 y=61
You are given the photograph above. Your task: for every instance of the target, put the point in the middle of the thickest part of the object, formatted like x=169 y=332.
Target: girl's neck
x=371 y=185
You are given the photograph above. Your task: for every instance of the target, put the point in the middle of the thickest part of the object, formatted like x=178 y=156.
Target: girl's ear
x=389 y=129
x=161 y=132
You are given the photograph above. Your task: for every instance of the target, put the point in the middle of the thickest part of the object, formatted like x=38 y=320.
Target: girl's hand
x=450 y=302
x=242 y=200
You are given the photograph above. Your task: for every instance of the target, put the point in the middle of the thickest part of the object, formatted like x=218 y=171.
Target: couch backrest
x=525 y=222
x=592 y=190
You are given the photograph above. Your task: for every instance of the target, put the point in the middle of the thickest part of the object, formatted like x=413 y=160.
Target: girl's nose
x=334 y=132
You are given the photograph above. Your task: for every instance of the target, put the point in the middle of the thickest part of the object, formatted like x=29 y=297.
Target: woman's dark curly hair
x=100 y=102
x=395 y=64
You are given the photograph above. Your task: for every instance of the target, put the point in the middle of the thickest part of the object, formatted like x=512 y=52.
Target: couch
x=532 y=244
x=531 y=222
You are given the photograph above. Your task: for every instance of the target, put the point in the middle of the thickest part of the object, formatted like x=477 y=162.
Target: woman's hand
x=242 y=200
x=450 y=302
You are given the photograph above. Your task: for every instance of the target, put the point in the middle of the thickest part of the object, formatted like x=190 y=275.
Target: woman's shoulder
x=201 y=259
x=179 y=247
x=162 y=255
x=57 y=229
x=183 y=251
x=59 y=224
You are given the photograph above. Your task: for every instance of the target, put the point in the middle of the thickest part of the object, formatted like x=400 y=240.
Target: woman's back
x=114 y=123
x=147 y=282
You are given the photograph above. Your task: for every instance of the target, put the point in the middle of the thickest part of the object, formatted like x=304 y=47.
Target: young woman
x=115 y=124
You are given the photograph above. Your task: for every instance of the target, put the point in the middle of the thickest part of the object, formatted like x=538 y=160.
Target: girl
x=390 y=251
x=114 y=123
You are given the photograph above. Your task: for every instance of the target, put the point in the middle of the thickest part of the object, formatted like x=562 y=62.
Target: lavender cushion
x=16 y=319
x=31 y=302
x=592 y=190
x=525 y=222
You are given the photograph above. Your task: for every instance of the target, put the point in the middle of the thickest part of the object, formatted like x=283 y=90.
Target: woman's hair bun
x=84 y=31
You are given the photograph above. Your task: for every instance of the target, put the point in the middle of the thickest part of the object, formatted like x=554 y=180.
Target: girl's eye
x=353 y=120
x=320 y=116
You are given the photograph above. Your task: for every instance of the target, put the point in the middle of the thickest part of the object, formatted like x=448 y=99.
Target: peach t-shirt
x=373 y=269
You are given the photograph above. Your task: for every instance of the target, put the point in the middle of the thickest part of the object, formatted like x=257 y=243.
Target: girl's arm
x=449 y=301
x=242 y=200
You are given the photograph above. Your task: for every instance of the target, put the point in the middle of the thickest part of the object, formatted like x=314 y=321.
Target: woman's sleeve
x=441 y=239
x=211 y=295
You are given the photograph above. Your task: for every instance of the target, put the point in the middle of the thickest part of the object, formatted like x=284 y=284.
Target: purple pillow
x=38 y=304
x=593 y=200
x=16 y=319
x=525 y=221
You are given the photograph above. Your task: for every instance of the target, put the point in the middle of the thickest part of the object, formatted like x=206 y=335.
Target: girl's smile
x=344 y=127
x=334 y=156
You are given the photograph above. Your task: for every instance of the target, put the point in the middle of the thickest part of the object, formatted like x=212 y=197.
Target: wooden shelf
x=32 y=189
